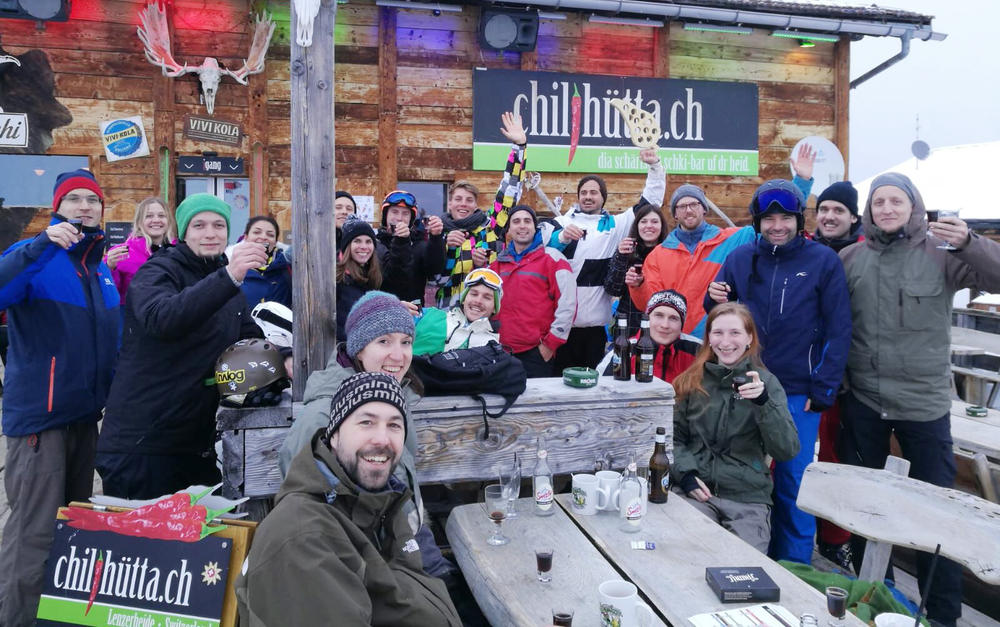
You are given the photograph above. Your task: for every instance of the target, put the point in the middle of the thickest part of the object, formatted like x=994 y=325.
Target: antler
x=155 y=37
x=254 y=63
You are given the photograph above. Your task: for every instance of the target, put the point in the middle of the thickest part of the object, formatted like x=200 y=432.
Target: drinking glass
x=836 y=605
x=496 y=509
x=512 y=487
x=562 y=617
x=738 y=380
x=543 y=561
x=947 y=213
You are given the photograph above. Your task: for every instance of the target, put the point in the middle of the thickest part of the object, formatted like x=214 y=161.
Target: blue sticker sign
x=124 y=138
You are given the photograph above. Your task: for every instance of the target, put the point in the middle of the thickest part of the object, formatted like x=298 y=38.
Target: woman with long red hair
x=730 y=413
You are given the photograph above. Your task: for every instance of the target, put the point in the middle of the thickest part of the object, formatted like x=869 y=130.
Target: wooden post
x=661 y=51
x=842 y=96
x=257 y=128
x=313 y=183
x=878 y=553
x=388 y=110
x=163 y=126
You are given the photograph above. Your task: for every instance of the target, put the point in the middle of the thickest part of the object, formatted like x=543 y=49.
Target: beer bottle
x=630 y=498
x=541 y=481
x=621 y=361
x=646 y=350
x=659 y=469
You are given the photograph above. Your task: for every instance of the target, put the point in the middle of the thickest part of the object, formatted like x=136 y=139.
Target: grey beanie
x=686 y=190
x=896 y=180
x=374 y=315
x=361 y=389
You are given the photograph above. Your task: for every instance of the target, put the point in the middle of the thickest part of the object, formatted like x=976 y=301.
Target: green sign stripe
x=101 y=614
x=599 y=159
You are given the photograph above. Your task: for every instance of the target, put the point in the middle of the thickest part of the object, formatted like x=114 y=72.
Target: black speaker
x=508 y=30
x=39 y=10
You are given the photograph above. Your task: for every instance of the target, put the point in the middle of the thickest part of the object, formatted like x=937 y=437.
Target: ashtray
x=580 y=377
x=976 y=411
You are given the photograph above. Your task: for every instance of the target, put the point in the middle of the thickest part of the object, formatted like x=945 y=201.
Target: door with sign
x=233 y=191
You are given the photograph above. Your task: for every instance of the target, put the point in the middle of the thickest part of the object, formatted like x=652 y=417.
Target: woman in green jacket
x=724 y=429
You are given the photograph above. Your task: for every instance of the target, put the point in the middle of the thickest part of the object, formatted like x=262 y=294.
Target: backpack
x=473 y=371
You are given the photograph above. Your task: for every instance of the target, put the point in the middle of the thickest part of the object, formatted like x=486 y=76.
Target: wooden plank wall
x=101 y=72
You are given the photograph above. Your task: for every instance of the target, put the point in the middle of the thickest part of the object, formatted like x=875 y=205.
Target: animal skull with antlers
x=155 y=37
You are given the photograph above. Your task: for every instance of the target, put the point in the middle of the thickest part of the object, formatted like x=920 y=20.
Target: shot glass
x=543 y=561
x=562 y=617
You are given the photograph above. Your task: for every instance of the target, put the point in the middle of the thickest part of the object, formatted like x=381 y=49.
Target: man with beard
x=476 y=237
x=796 y=291
x=589 y=236
x=337 y=543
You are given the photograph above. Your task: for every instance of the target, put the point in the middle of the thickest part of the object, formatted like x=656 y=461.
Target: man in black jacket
x=409 y=253
x=183 y=309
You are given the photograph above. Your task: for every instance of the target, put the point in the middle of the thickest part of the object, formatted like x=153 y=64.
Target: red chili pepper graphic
x=98 y=568
x=576 y=104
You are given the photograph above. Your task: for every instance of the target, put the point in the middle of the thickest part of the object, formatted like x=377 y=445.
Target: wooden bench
x=889 y=508
x=580 y=425
x=976 y=380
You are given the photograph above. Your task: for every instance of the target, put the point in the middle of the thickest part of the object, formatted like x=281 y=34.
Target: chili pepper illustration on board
x=95 y=584
x=187 y=529
x=576 y=104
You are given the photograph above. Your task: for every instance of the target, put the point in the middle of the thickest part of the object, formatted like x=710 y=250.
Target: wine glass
x=836 y=605
x=738 y=380
x=946 y=213
x=512 y=487
x=496 y=509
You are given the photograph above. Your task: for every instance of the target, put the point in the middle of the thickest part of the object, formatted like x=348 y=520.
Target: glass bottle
x=541 y=482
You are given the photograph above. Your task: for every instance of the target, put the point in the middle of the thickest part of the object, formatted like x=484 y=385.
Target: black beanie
x=600 y=183
x=354 y=227
x=516 y=208
x=842 y=192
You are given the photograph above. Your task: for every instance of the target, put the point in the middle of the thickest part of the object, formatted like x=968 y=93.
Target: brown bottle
x=645 y=353
x=621 y=361
x=659 y=469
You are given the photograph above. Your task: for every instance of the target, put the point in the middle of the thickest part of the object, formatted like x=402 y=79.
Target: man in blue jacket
x=797 y=293
x=62 y=309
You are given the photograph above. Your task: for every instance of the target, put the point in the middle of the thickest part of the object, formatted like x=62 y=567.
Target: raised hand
x=246 y=255
x=803 y=162
x=512 y=128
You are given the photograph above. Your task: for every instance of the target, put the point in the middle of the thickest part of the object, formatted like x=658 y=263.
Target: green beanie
x=195 y=204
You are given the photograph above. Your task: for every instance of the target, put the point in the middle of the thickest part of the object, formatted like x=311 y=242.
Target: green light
x=806 y=43
x=813 y=37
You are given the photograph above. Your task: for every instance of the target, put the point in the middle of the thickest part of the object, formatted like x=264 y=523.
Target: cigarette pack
x=739 y=584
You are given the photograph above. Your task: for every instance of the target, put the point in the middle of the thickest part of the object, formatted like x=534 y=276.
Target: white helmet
x=276 y=321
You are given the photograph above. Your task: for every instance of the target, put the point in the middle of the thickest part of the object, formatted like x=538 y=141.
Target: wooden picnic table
x=979 y=435
x=670 y=577
x=988 y=342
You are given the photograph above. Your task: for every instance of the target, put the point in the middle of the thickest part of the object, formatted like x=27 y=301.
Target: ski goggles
x=785 y=199
x=483 y=276
x=400 y=198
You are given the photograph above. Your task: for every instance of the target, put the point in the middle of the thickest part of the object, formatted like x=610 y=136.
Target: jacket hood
x=915 y=228
x=324 y=383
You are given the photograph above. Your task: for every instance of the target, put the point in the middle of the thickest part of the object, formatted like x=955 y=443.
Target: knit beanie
x=195 y=204
x=842 y=192
x=600 y=183
x=374 y=315
x=516 y=208
x=342 y=194
x=895 y=179
x=684 y=191
x=493 y=281
x=670 y=298
x=361 y=389
x=353 y=228
x=68 y=181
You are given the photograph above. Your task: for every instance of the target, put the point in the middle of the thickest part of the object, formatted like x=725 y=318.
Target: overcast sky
x=953 y=85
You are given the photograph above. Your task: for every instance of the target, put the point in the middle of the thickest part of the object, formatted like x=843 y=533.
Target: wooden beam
x=163 y=127
x=388 y=110
x=661 y=52
x=313 y=180
x=842 y=96
x=529 y=61
x=257 y=138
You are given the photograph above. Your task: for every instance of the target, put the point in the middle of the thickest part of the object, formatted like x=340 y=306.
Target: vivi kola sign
x=706 y=127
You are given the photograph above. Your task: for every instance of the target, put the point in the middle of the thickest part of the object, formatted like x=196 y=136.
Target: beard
x=371 y=479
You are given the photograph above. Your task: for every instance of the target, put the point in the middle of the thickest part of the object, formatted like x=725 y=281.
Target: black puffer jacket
x=181 y=313
x=408 y=263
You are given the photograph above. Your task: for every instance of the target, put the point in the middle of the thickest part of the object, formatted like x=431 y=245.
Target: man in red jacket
x=539 y=295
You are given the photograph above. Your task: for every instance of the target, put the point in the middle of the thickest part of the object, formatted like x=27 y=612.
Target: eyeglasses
x=688 y=206
x=786 y=200
x=483 y=276
x=91 y=200
x=400 y=198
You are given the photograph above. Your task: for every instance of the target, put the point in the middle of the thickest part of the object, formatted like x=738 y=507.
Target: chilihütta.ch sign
x=212 y=130
x=13 y=130
x=707 y=127
x=104 y=578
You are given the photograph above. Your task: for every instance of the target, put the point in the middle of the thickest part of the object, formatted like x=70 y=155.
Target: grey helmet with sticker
x=275 y=320
x=249 y=373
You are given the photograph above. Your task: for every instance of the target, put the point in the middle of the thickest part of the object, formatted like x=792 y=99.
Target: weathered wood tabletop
x=988 y=342
x=673 y=575
x=503 y=578
x=979 y=435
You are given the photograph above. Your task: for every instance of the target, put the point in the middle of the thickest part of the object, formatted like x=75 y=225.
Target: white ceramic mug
x=587 y=496
x=621 y=607
x=607 y=482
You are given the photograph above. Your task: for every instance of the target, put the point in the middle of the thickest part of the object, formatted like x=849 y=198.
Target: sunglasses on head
x=400 y=198
x=786 y=200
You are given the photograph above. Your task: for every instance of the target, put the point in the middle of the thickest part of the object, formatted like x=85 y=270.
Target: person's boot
x=839 y=554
